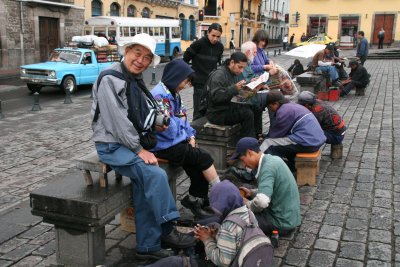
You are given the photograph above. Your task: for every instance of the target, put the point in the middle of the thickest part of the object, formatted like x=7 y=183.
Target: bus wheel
x=175 y=54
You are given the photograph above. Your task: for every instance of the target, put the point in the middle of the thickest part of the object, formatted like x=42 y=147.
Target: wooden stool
x=307 y=167
x=337 y=151
x=91 y=162
x=360 y=91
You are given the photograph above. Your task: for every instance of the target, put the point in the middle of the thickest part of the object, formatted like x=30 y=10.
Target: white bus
x=166 y=31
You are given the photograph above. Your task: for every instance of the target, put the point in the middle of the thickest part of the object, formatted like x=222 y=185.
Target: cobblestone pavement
x=351 y=218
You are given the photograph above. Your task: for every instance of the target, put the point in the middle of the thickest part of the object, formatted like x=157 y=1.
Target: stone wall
x=12 y=56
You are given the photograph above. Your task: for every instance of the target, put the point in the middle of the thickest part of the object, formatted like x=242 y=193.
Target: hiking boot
x=154 y=255
x=196 y=204
x=176 y=239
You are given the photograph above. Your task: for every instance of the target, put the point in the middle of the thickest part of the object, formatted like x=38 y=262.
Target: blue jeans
x=333 y=138
x=152 y=198
x=333 y=74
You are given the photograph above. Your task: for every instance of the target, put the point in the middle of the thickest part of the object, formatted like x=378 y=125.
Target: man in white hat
x=123 y=124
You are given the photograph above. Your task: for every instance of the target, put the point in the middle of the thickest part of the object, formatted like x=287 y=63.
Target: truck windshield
x=67 y=56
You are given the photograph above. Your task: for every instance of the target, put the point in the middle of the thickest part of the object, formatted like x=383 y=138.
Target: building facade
x=274 y=13
x=233 y=21
x=341 y=19
x=31 y=29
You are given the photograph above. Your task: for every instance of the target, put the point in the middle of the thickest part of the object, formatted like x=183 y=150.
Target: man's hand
x=239 y=85
x=245 y=192
x=202 y=232
x=148 y=157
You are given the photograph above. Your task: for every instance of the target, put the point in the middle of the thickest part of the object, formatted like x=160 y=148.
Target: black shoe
x=241 y=174
x=176 y=239
x=196 y=205
x=154 y=255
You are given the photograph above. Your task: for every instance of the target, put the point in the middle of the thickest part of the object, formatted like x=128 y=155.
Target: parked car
x=68 y=68
x=320 y=39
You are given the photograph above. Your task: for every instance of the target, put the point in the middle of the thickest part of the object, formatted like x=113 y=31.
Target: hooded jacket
x=298 y=124
x=179 y=129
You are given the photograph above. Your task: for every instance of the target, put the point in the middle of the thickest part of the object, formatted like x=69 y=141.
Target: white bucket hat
x=142 y=39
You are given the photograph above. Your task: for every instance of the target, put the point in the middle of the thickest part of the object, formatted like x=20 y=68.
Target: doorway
x=386 y=22
x=49 y=36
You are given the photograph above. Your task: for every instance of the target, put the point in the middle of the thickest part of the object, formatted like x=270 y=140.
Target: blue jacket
x=259 y=61
x=179 y=129
x=298 y=124
x=362 y=48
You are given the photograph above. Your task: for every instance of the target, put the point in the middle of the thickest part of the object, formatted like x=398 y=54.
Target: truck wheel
x=69 y=84
x=34 y=87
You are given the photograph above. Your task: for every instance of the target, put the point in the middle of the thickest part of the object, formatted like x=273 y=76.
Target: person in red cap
x=276 y=201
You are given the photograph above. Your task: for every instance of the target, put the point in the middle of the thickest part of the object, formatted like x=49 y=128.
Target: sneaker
x=176 y=239
x=154 y=255
x=195 y=204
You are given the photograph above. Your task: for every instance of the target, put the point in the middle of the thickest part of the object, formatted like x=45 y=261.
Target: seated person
x=177 y=143
x=223 y=243
x=296 y=68
x=258 y=101
x=221 y=89
x=276 y=201
x=261 y=62
x=359 y=78
x=293 y=129
x=329 y=119
x=324 y=61
x=280 y=79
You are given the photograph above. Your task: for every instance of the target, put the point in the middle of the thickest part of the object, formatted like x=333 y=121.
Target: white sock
x=214 y=181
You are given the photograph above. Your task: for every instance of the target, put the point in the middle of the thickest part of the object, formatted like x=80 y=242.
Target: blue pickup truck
x=68 y=68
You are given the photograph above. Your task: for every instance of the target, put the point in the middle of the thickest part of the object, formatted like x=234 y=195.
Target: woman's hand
x=192 y=142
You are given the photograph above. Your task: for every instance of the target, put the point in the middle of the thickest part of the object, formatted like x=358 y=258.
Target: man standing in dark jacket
x=221 y=87
x=359 y=77
x=204 y=54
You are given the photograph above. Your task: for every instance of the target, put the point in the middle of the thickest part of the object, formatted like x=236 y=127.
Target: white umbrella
x=306 y=51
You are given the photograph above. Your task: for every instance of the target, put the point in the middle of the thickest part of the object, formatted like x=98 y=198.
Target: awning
x=51 y=3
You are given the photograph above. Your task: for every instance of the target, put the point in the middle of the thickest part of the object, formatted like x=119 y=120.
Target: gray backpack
x=255 y=247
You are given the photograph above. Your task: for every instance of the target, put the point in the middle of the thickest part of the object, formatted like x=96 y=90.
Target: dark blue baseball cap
x=244 y=144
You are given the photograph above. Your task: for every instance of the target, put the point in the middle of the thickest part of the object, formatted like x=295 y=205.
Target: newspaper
x=262 y=79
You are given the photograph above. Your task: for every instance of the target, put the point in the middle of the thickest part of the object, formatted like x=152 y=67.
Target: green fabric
x=277 y=182
x=247 y=75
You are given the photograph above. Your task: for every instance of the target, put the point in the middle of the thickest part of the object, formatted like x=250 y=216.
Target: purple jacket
x=259 y=61
x=298 y=124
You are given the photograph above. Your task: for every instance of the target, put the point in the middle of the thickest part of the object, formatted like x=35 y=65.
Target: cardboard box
x=128 y=220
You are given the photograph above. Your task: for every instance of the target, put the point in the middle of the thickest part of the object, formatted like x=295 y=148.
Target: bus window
x=133 y=31
x=156 y=31
x=139 y=30
x=145 y=30
x=112 y=32
x=100 y=31
x=125 y=31
x=151 y=31
x=162 y=31
x=87 y=31
x=176 y=33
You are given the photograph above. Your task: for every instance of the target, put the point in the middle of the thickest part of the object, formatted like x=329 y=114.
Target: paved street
x=351 y=218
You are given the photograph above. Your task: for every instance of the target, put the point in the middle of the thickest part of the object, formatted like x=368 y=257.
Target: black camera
x=161 y=120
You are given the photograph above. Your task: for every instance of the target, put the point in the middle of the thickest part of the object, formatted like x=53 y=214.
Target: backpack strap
x=102 y=74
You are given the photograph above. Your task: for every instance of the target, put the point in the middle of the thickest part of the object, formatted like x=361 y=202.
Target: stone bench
x=216 y=140
x=307 y=167
x=80 y=212
x=309 y=81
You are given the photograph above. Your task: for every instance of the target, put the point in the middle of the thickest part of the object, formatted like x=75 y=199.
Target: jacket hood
x=174 y=73
x=225 y=197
